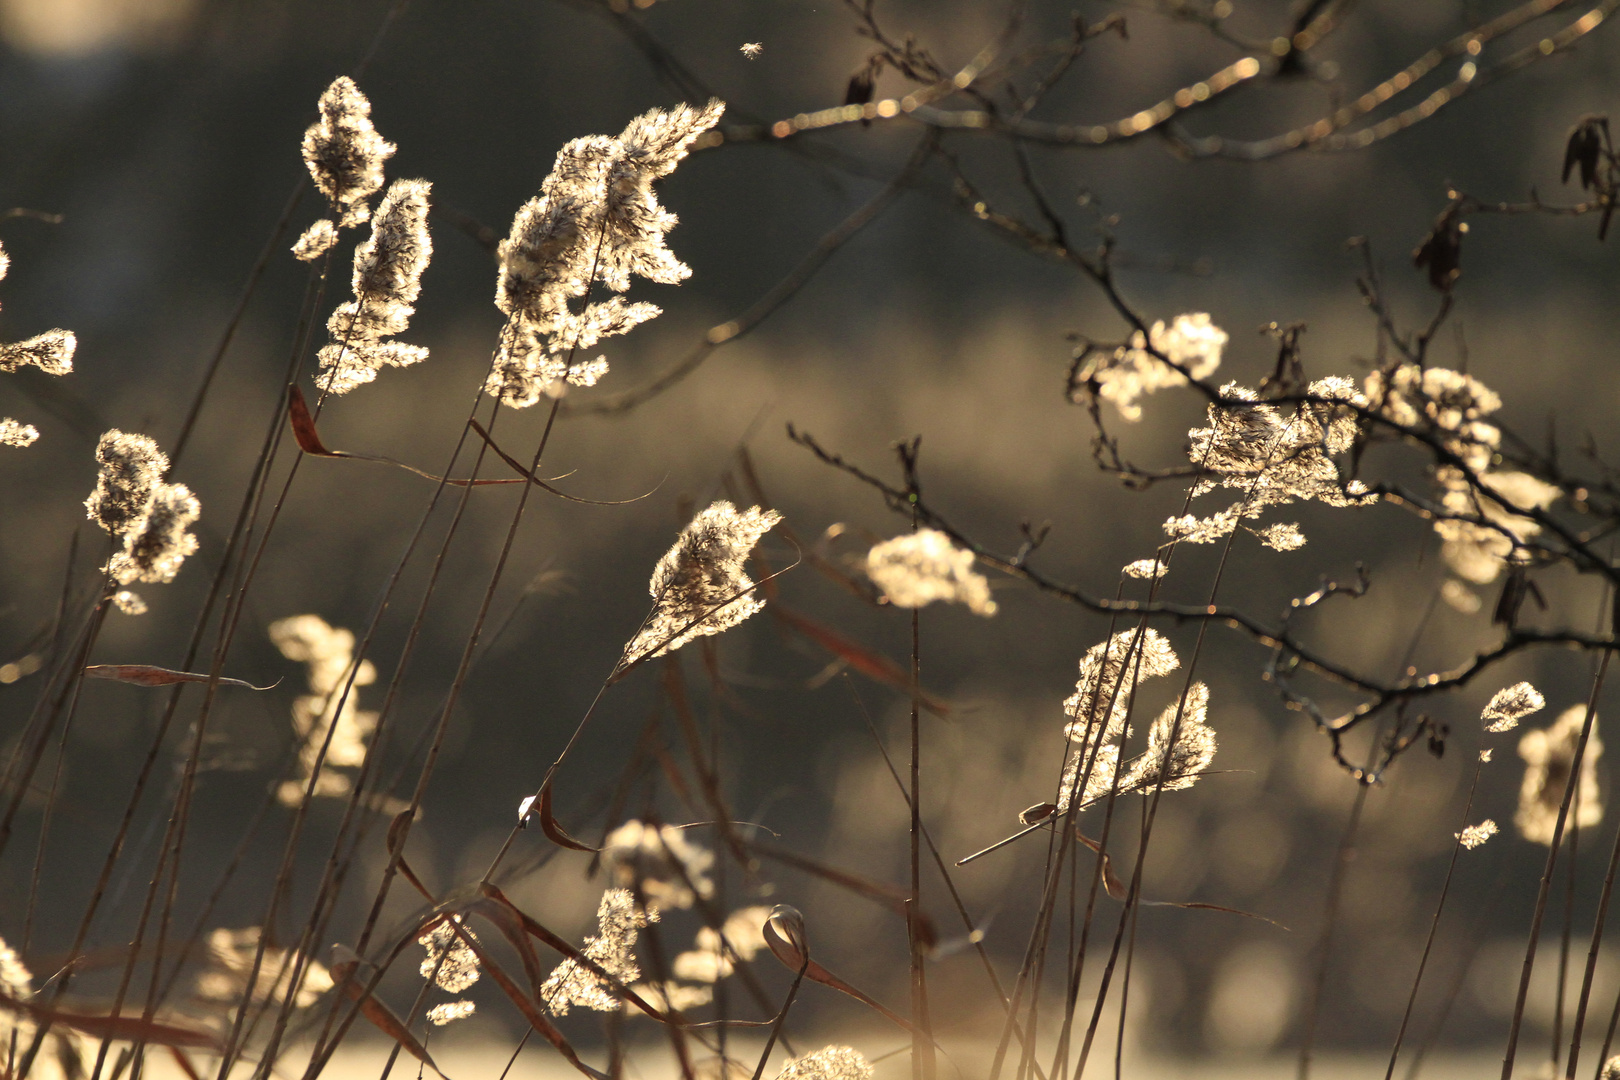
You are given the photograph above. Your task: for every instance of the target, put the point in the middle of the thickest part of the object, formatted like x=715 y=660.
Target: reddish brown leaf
x=380 y=1015
x=309 y=441
x=871 y=664
x=548 y=824
x=303 y=424
x=396 y=840
x=147 y=675
x=1115 y=887
x=510 y=924
x=187 y=1066
x=128 y=1028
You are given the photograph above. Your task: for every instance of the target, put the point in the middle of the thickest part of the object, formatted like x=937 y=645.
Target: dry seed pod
x=1039 y=812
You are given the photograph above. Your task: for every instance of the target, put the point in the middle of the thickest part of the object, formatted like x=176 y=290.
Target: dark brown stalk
x=1133 y=895
x=1474 y=937
x=246 y=572
x=272 y=246
x=335 y=869
x=1569 y=922
x=1077 y=962
x=324 y=1049
x=115 y=849
x=922 y=1041
x=1434 y=925
x=1330 y=916
x=939 y=860
x=1587 y=977
x=781 y=1017
x=1546 y=875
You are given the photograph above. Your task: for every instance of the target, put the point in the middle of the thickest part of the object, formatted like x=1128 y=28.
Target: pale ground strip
x=364 y=1061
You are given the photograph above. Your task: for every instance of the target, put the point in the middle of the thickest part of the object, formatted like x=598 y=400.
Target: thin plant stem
x=1434 y=924
x=1533 y=937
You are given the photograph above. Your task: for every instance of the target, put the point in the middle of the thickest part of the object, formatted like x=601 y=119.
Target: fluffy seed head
x=450 y=961
x=917 y=569
x=51 y=352
x=699 y=587
x=1510 y=705
x=596 y=221
x=230 y=961
x=17 y=434
x=15 y=979
x=344 y=153
x=157 y=543
x=387 y=280
x=450 y=1012
x=131 y=468
x=619 y=918
x=1176 y=765
x=315 y=241
x=1123 y=375
x=829 y=1063
x=1549 y=760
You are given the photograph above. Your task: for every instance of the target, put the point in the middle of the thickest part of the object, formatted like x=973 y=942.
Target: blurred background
x=166 y=134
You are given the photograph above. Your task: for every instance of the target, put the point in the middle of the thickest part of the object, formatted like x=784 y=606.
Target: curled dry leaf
x=147 y=675
x=555 y=832
x=785 y=937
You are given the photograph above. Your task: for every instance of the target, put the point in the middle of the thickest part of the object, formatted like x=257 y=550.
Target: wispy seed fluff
x=51 y=352
x=613 y=948
x=16 y=981
x=1504 y=711
x=158 y=543
x=13 y=433
x=915 y=570
x=596 y=221
x=1475 y=835
x=450 y=961
x=316 y=241
x=450 y=1012
x=741 y=935
x=1100 y=705
x=1549 y=760
x=1124 y=374
x=132 y=501
x=699 y=587
x=829 y=1063
x=387 y=280
x=131 y=468
x=1175 y=766
x=344 y=153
